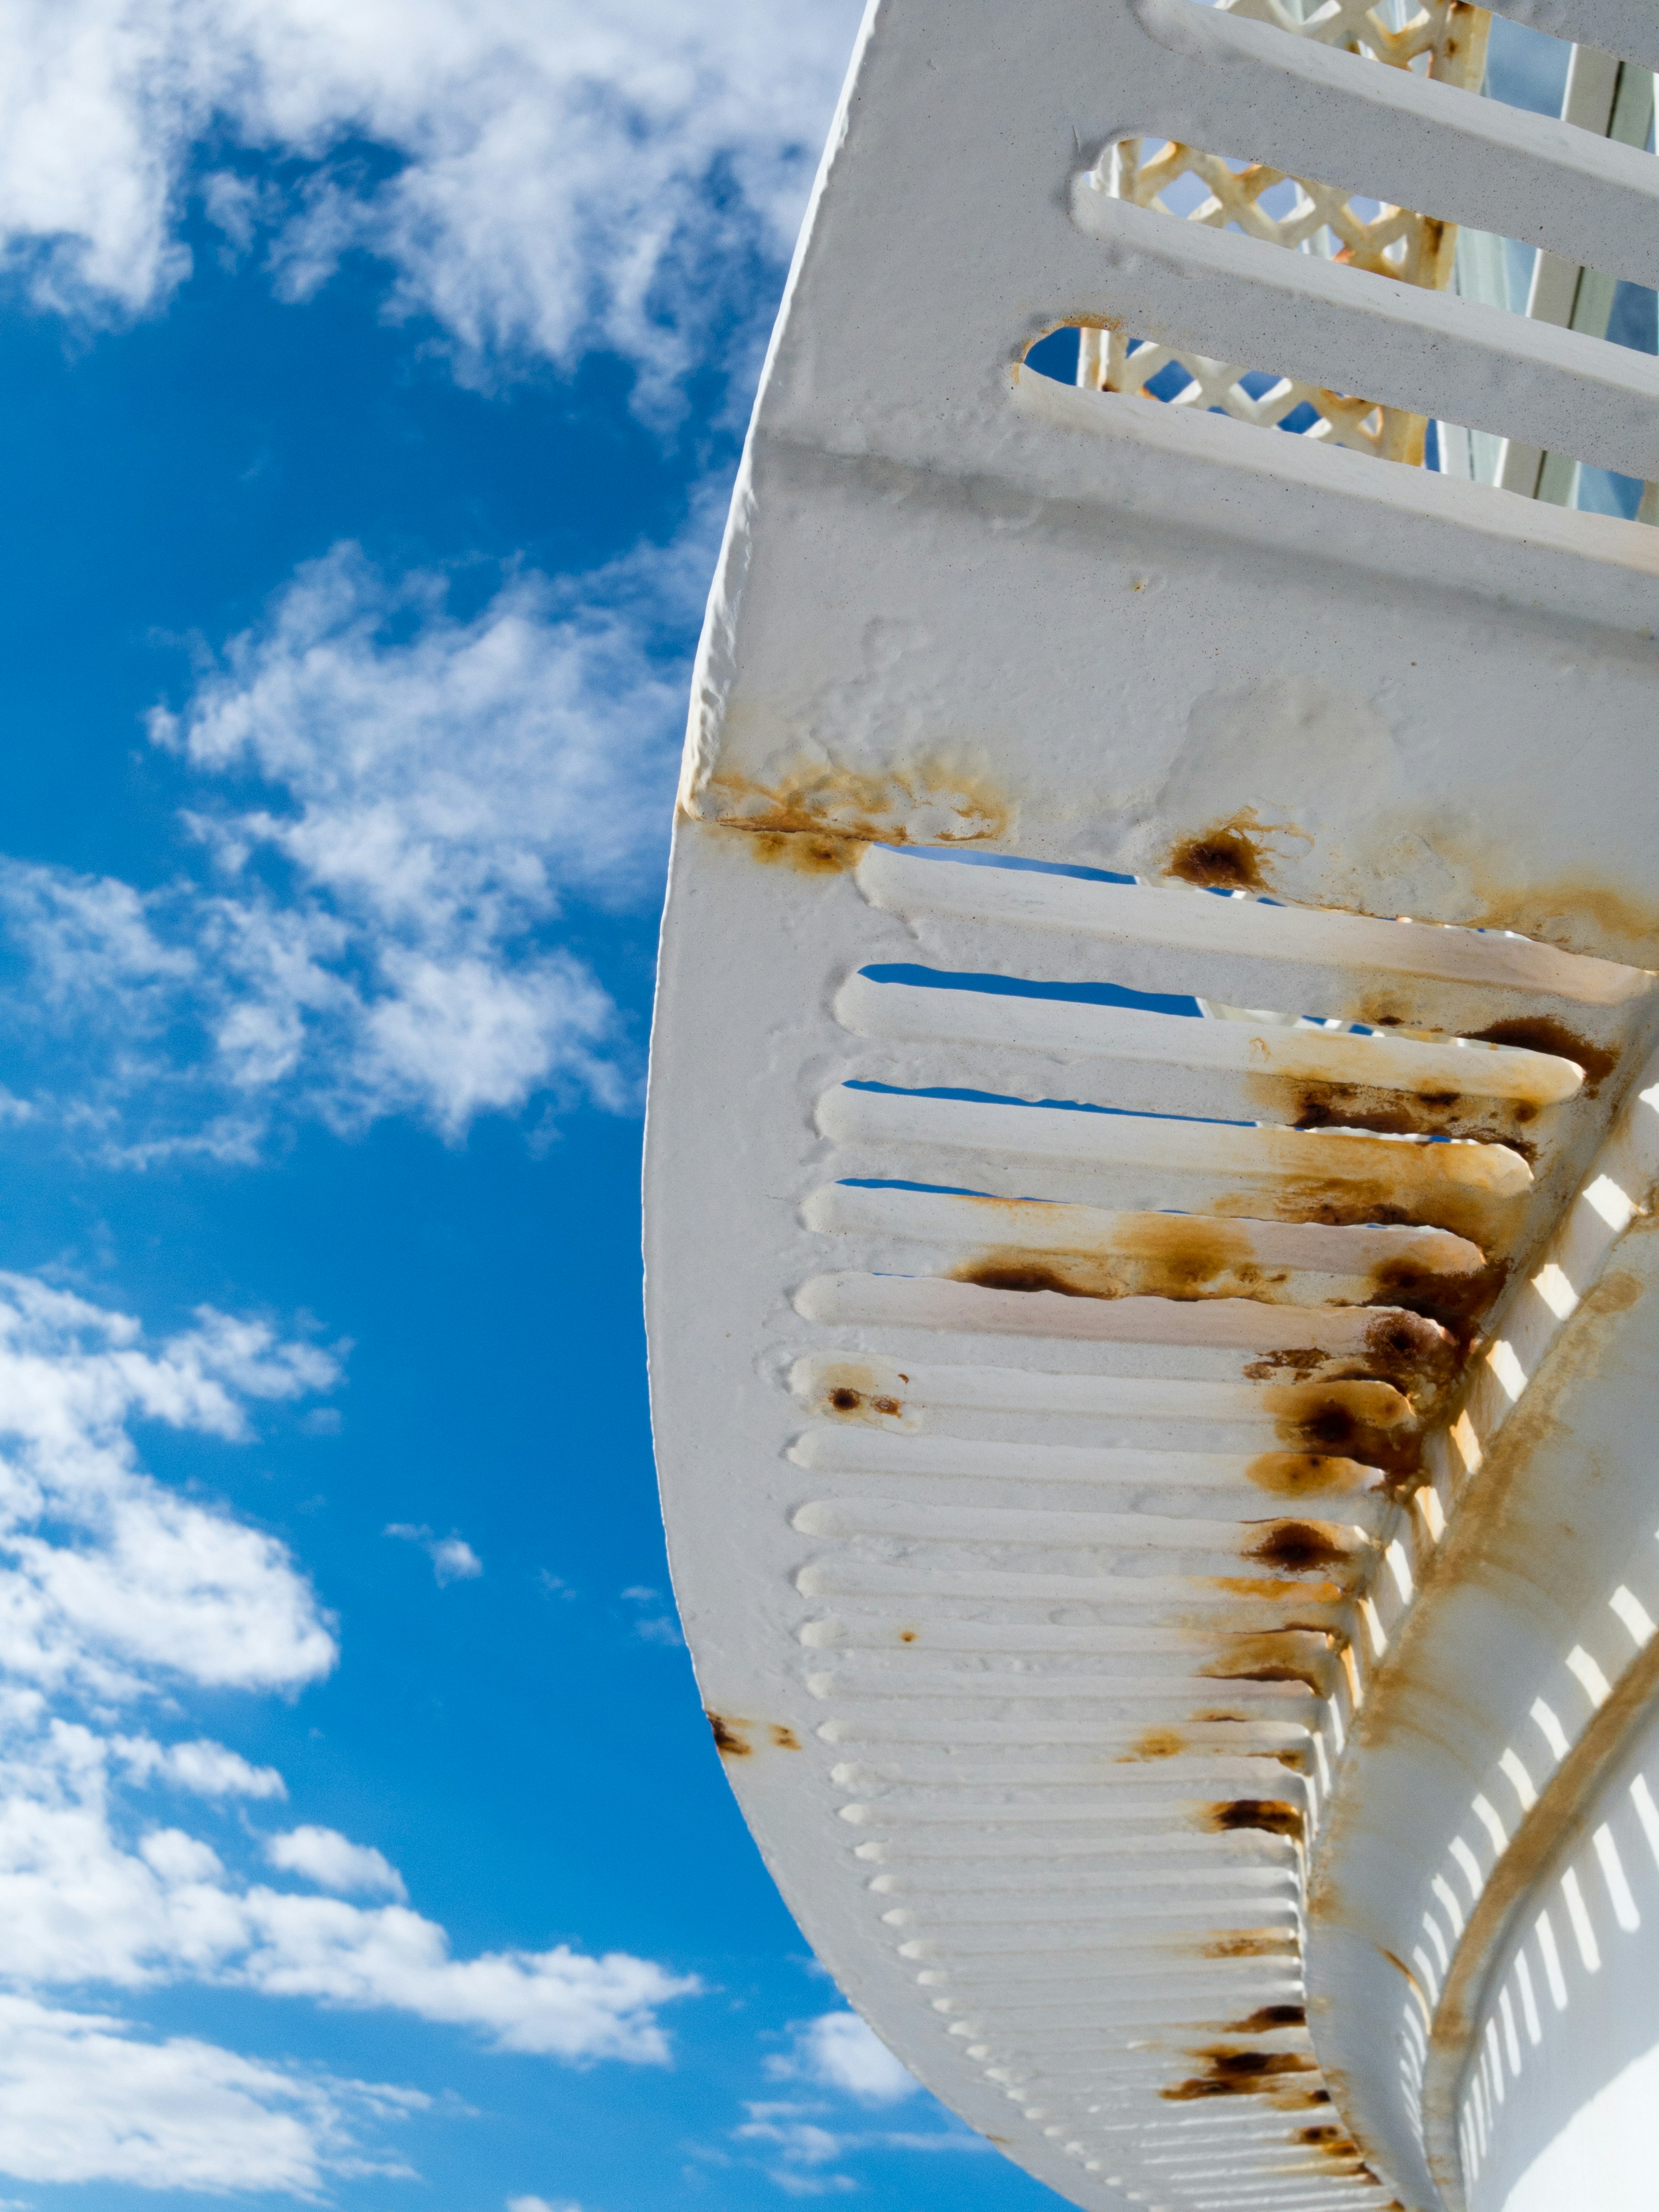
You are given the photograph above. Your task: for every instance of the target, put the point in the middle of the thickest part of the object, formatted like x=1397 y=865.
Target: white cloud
x=205 y=1768
x=797 y=2149
x=454 y=1559
x=112 y=1588
x=397 y=808
x=134 y=1579
x=542 y=2204
x=82 y=2099
x=563 y=176
x=334 y=1862
x=838 y=2050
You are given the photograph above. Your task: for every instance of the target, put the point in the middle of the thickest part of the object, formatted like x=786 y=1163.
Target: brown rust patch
x=1368 y=1421
x=1457 y=1302
x=1012 y=1272
x=1280 y=1655
x=853 y=1391
x=1175 y=1256
x=784 y=1739
x=1543 y=1033
x=1276 y=1816
x=1238 y=2073
x=1229 y=856
x=1299 y=1547
x=729 y=1740
x=1418 y=1356
x=1157 y=1743
x=818 y=817
x=1330 y=2139
x=1301 y=1359
x=1392 y=1113
x=1263 y=2023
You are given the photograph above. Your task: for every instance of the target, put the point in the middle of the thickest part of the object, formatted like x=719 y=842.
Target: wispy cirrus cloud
x=536 y=181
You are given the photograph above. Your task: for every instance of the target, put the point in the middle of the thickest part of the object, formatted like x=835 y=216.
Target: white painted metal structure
x=1154 y=1390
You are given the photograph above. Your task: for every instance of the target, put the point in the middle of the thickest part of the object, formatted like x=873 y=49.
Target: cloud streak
x=548 y=180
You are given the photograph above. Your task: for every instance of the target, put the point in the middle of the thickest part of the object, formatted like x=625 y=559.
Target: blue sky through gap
x=375 y=377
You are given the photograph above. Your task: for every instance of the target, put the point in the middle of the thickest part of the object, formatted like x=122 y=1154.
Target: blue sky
x=374 y=375
x=374 y=378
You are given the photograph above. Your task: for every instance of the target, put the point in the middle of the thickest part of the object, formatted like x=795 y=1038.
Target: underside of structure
x=1152 y=1135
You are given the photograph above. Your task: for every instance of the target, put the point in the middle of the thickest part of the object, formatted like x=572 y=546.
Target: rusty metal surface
x=1096 y=1323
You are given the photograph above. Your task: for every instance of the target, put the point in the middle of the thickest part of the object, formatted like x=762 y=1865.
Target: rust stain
x=1269 y=2017
x=1391 y=1113
x=819 y=818
x=1157 y=1743
x=907 y=1636
x=1175 y=1257
x=1457 y=1302
x=853 y=1391
x=729 y=1741
x=1300 y=1547
x=1277 y=1592
x=1302 y=1359
x=1280 y=1655
x=1256 y=1943
x=1233 y=855
x=1370 y=1422
x=1301 y=1474
x=1238 y=2073
x=1276 y=1816
x=1403 y=1193
x=1543 y=1033
x=1416 y=1355
x=1580 y=915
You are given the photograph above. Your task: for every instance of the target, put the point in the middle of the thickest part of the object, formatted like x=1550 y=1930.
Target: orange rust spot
x=1276 y=1593
x=1580 y=916
x=728 y=1742
x=1298 y=1547
x=1157 y=1743
x=1269 y=2017
x=1543 y=1033
x=808 y=853
x=1299 y=1474
x=1237 y=2073
x=1280 y=1655
x=1265 y=1943
x=784 y=1739
x=819 y=817
x=1276 y=1816
x=907 y=1636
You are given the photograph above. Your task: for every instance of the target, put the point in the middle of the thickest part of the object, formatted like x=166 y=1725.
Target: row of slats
x=1082 y=1625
